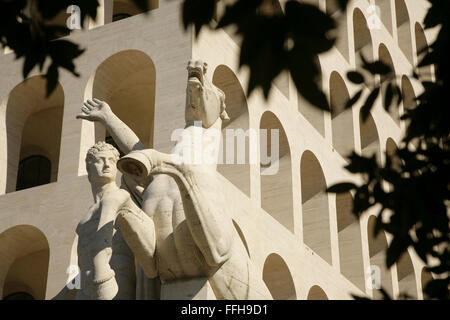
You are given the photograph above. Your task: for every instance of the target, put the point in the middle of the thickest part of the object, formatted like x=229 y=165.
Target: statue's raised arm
x=97 y=110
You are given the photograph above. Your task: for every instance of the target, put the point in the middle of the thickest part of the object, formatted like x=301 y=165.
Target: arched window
x=24 y=264
x=333 y=9
x=425 y=72
x=370 y=141
x=406 y=276
x=33 y=171
x=404 y=29
x=276 y=172
x=126 y=81
x=391 y=151
x=377 y=251
x=235 y=147
x=425 y=278
x=385 y=13
x=363 y=38
x=385 y=57
x=316 y=293
x=33 y=127
x=314 y=115
x=409 y=97
x=315 y=210
x=278 y=278
x=341 y=119
x=350 y=245
x=126 y=8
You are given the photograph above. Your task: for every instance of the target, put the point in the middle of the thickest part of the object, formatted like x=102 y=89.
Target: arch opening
x=363 y=38
x=126 y=81
x=332 y=8
x=377 y=252
x=350 y=245
x=123 y=9
x=370 y=141
x=406 y=276
x=385 y=57
x=341 y=119
x=314 y=115
x=404 y=29
x=391 y=152
x=409 y=101
x=317 y=293
x=33 y=125
x=275 y=171
x=426 y=73
x=385 y=13
x=23 y=246
x=278 y=278
x=408 y=95
x=315 y=209
x=425 y=278
x=234 y=162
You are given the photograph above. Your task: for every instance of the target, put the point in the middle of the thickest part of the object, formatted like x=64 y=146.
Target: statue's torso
x=177 y=254
x=91 y=241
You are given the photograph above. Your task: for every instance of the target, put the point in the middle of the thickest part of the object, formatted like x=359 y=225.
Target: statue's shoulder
x=118 y=197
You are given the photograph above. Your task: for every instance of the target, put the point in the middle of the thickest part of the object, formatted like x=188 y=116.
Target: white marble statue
x=106 y=263
x=195 y=236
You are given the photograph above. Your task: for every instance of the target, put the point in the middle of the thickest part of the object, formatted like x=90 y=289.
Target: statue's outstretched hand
x=94 y=110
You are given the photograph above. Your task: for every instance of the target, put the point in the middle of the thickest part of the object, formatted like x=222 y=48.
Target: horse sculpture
x=194 y=232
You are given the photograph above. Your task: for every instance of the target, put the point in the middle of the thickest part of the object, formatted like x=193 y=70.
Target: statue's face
x=103 y=167
x=203 y=99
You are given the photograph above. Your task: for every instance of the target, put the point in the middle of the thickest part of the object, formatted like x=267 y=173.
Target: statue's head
x=204 y=101
x=101 y=160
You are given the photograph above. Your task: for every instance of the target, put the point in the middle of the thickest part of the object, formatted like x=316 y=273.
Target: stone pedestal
x=193 y=289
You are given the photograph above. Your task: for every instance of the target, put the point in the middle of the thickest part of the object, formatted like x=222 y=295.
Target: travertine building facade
x=306 y=242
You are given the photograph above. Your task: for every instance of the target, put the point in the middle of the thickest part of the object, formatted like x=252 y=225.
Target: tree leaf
x=341 y=187
x=355 y=77
x=367 y=107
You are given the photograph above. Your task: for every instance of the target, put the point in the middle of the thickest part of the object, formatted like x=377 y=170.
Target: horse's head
x=204 y=101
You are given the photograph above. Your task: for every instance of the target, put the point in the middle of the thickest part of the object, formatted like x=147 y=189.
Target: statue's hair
x=99 y=147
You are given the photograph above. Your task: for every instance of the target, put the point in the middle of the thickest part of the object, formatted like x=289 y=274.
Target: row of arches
x=108 y=11
x=363 y=42
x=401 y=19
x=341 y=118
x=384 y=10
x=127 y=82
x=24 y=245
x=31 y=134
x=342 y=125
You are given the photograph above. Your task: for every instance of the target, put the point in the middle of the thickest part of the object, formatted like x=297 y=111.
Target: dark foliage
x=27 y=28
x=411 y=187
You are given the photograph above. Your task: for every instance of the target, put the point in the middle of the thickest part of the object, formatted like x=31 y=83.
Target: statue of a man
x=106 y=262
x=195 y=236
